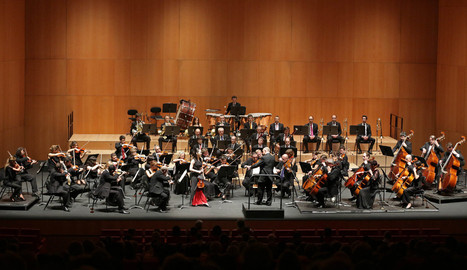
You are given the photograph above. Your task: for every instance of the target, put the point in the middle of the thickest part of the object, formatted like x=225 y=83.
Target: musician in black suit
x=167 y=138
x=194 y=138
x=232 y=105
x=260 y=144
x=110 y=188
x=335 y=137
x=366 y=136
x=247 y=180
x=312 y=135
x=276 y=126
x=456 y=153
x=417 y=182
x=222 y=122
x=281 y=138
x=136 y=130
x=287 y=144
x=251 y=124
x=233 y=143
x=219 y=137
x=407 y=144
x=59 y=185
x=159 y=184
x=266 y=163
x=330 y=187
x=432 y=144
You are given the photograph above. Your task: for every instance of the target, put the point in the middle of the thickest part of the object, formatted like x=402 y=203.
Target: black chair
x=4 y=188
x=156 y=111
x=132 y=113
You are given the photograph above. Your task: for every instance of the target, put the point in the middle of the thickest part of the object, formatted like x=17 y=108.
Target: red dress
x=199 y=198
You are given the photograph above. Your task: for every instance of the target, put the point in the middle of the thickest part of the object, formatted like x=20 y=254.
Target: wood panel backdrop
x=292 y=58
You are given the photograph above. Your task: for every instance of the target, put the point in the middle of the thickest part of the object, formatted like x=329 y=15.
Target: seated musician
x=219 y=137
x=259 y=134
x=233 y=144
x=77 y=185
x=260 y=144
x=93 y=169
x=335 y=137
x=59 y=185
x=196 y=122
x=197 y=195
x=417 y=182
x=287 y=144
x=110 y=188
x=137 y=131
x=275 y=127
x=26 y=162
x=76 y=153
x=13 y=179
x=224 y=181
x=222 y=122
x=314 y=163
x=366 y=196
x=286 y=134
x=406 y=144
x=250 y=124
x=456 y=153
x=210 y=189
x=159 y=186
x=247 y=180
x=134 y=171
x=232 y=159
x=285 y=169
x=432 y=144
x=330 y=187
x=365 y=137
x=54 y=157
x=194 y=138
x=122 y=148
x=312 y=135
x=167 y=138
x=366 y=169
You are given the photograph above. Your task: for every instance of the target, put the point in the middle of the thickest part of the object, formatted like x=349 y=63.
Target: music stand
x=41 y=170
x=226 y=171
x=357 y=130
x=246 y=133
x=283 y=149
x=222 y=145
x=191 y=130
x=276 y=133
x=149 y=128
x=166 y=159
x=171 y=130
x=330 y=130
x=89 y=156
x=183 y=168
x=169 y=108
x=387 y=152
x=226 y=129
x=300 y=131
x=305 y=166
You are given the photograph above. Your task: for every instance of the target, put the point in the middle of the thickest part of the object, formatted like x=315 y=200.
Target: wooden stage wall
x=12 y=61
x=292 y=58
x=451 y=92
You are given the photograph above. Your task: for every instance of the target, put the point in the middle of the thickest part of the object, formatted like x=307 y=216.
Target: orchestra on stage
x=234 y=145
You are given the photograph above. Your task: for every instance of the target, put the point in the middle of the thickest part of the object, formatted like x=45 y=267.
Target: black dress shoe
x=122 y=211
x=268 y=203
x=66 y=209
x=258 y=203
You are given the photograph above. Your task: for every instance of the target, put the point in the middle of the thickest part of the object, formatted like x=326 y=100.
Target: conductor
x=266 y=163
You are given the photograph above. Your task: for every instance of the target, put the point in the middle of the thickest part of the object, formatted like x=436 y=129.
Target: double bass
x=448 y=179
x=432 y=161
x=397 y=164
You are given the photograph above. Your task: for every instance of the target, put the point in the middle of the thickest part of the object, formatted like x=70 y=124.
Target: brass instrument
x=321 y=125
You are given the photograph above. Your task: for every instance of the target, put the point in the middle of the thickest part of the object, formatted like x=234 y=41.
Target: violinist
x=110 y=188
x=247 y=180
x=54 y=157
x=312 y=135
x=159 y=183
x=137 y=131
x=198 y=145
x=59 y=185
x=233 y=143
x=344 y=160
x=285 y=169
x=210 y=190
x=76 y=153
x=275 y=127
x=334 y=137
x=417 y=182
x=93 y=169
x=117 y=162
x=407 y=144
x=197 y=195
x=77 y=186
x=366 y=196
x=181 y=185
x=365 y=137
x=134 y=171
x=231 y=157
x=266 y=165
x=26 y=163
x=122 y=148
x=225 y=181
x=13 y=179
x=167 y=138
x=250 y=124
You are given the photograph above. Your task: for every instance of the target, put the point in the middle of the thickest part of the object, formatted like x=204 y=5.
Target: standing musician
x=432 y=144
x=159 y=183
x=76 y=153
x=110 y=188
x=122 y=148
x=336 y=137
x=13 y=179
x=197 y=182
x=234 y=106
x=181 y=186
x=266 y=163
x=312 y=135
x=247 y=179
x=417 y=182
x=366 y=136
x=366 y=196
x=59 y=184
x=285 y=170
x=407 y=144
x=275 y=127
x=330 y=187
x=456 y=153
x=137 y=131
x=26 y=162
x=55 y=156
x=167 y=138
x=283 y=136
x=251 y=124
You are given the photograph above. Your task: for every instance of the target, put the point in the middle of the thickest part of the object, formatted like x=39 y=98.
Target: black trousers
x=330 y=140
x=265 y=184
x=142 y=138
x=168 y=139
x=162 y=200
x=360 y=140
x=307 y=139
x=16 y=185
x=408 y=193
x=26 y=177
x=116 y=195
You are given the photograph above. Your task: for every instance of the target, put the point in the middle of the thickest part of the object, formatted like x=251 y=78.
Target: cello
x=397 y=164
x=365 y=179
x=408 y=181
x=432 y=161
x=448 y=179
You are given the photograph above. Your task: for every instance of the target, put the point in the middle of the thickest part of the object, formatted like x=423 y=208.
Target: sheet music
x=183 y=176
x=255 y=171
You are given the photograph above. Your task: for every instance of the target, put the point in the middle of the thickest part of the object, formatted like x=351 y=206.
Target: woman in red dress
x=197 y=181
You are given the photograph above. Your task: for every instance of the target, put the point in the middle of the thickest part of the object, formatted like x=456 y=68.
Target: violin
x=126 y=145
x=200 y=183
x=140 y=157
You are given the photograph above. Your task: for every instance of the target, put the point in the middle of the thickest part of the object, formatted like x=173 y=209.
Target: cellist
x=417 y=182
x=333 y=171
x=366 y=169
